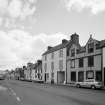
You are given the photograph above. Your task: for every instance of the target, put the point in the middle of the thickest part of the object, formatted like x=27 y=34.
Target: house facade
x=54 y=63
x=85 y=62
x=28 y=71
x=38 y=71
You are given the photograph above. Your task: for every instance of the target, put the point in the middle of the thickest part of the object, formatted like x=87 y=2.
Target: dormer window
x=73 y=52
x=90 y=47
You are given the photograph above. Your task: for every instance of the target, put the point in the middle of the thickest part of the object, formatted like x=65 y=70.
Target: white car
x=91 y=83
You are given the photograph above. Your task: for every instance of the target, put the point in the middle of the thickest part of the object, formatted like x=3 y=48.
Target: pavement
x=28 y=93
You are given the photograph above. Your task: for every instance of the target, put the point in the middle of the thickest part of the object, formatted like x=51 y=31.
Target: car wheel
x=93 y=87
x=78 y=86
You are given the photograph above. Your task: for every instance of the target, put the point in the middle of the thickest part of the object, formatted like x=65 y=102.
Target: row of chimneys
x=74 y=38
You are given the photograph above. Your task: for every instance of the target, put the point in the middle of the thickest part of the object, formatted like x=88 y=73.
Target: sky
x=27 y=27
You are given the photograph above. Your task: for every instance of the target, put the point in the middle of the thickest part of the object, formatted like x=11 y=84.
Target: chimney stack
x=64 y=41
x=75 y=38
x=49 y=47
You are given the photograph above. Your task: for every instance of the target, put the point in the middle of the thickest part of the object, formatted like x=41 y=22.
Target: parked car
x=91 y=83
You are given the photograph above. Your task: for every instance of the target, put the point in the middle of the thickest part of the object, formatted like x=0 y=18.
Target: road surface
x=14 y=92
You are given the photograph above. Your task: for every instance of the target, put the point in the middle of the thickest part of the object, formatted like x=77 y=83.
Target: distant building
x=28 y=71
x=38 y=71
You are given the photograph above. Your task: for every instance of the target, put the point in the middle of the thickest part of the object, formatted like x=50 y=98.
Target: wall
x=56 y=64
x=104 y=57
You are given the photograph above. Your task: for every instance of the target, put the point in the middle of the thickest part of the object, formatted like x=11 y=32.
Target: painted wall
x=104 y=57
x=56 y=64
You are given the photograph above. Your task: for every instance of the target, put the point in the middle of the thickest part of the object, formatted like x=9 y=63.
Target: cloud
x=96 y=6
x=18 y=47
x=13 y=11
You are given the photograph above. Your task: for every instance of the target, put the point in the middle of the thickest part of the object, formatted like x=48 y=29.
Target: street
x=14 y=92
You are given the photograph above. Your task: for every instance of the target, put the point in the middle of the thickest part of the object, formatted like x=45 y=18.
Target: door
x=45 y=77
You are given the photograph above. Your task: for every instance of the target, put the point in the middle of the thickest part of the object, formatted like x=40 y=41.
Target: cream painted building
x=54 y=63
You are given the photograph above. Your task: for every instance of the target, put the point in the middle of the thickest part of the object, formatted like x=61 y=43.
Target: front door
x=45 y=77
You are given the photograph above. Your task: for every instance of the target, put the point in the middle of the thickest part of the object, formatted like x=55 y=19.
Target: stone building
x=85 y=62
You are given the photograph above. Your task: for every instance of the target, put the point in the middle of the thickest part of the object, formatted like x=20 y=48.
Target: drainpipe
x=102 y=69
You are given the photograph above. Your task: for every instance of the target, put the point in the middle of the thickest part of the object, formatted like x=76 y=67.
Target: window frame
x=90 y=61
x=73 y=52
x=91 y=47
x=81 y=60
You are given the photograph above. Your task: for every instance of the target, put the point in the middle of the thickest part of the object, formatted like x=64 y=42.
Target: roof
x=102 y=43
x=81 y=50
x=69 y=43
x=55 y=48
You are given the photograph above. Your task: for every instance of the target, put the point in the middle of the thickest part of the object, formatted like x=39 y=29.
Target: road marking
x=18 y=99
x=3 y=88
x=14 y=93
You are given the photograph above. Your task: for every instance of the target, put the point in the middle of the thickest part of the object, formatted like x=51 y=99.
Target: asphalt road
x=14 y=92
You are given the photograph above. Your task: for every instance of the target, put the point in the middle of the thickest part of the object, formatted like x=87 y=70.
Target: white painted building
x=54 y=63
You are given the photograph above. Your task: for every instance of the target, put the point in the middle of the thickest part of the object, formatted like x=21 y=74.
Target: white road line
x=18 y=99
x=14 y=93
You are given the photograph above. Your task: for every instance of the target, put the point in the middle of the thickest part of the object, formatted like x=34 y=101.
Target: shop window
x=98 y=75
x=80 y=76
x=90 y=74
x=73 y=76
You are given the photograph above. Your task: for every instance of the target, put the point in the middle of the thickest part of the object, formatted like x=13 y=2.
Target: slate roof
x=55 y=48
x=69 y=43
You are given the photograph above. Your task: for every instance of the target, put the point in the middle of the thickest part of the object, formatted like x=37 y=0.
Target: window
x=47 y=76
x=72 y=63
x=72 y=52
x=67 y=52
x=52 y=55
x=98 y=75
x=61 y=53
x=90 y=61
x=80 y=76
x=90 y=47
x=45 y=67
x=45 y=57
x=61 y=65
x=52 y=66
x=52 y=75
x=73 y=76
x=90 y=74
x=81 y=62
